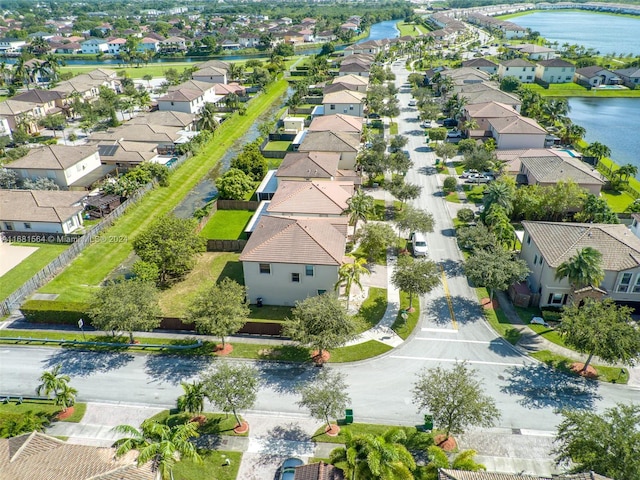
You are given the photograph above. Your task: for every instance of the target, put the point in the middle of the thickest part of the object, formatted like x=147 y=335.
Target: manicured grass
x=213 y=466
x=45 y=407
x=373 y=308
x=498 y=320
x=452 y=197
x=413 y=434
x=474 y=193
x=18 y=275
x=400 y=326
x=410 y=29
x=379 y=209
x=618 y=201
x=559 y=362
x=277 y=146
x=211 y=267
x=269 y=313
x=575 y=90
x=361 y=351
x=216 y=424
x=86 y=272
x=227 y=224
x=606 y=166
x=393 y=128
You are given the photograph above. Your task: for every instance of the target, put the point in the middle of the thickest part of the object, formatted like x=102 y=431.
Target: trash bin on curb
x=259 y=302
x=428 y=422
x=348 y=416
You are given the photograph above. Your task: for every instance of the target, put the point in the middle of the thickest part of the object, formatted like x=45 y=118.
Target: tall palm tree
x=159 y=444
x=598 y=150
x=207 y=118
x=358 y=208
x=583 y=269
x=350 y=273
x=626 y=171
x=572 y=133
x=555 y=110
x=51 y=381
x=236 y=70
x=499 y=193
x=193 y=399
x=65 y=396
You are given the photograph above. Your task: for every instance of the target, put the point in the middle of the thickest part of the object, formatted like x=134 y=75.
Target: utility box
x=348 y=416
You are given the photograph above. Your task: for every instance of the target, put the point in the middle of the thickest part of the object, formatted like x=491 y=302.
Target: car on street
x=454 y=134
x=479 y=178
x=419 y=244
x=412 y=103
x=288 y=468
x=425 y=125
x=467 y=173
x=450 y=122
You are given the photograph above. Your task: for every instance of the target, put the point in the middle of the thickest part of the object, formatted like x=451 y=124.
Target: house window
x=636 y=287
x=27 y=226
x=332 y=107
x=265 y=268
x=321 y=292
x=625 y=281
x=528 y=239
x=557 y=298
x=535 y=259
x=308 y=270
x=529 y=77
x=295 y=277
x=350 y=107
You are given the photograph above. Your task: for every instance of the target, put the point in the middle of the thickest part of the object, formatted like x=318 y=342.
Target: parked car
x=454 y=134
x=450 y=122
x=419 y=244
x=425 y=125
x=288 y=468
x=467 y=173
x=478 y=178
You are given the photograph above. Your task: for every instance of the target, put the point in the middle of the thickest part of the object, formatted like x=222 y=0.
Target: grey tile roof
x=309 y=241
x=39 y=205
x=53 y=157
x=448 y=474
x=554 y=168
x=558 y=242
x=516 y=62
x=517 y=125
x=309 y=165
x=330 y=142
x=337 y=123
x=318 y=471
x=555 y=62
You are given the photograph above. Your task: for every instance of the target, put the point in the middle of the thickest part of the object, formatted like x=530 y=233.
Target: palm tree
x=598 y=150
x=207 y=118
x=626 y=171
x=236 y=70
x=350 y=273
x=193 y=399
x=572 y=133
x=231 y=101
x=555 y=110
x=160 y=444
x=499 y=193
x=65 y=396
x=127 y=104
x=51 y=67
x=358 y=207
x=583 y=269
x=51 y=381
x=143 y=99
x=438 y=459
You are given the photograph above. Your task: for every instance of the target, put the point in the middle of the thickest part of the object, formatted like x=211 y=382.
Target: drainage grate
x=516 y=431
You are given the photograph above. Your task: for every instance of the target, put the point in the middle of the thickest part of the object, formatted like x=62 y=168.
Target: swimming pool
x=570 y=152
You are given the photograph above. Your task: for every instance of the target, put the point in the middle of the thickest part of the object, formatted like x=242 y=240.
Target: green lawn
x=474 y=193
x=410 y=29
x=416 y=437
x=452 y=197
x=216 y=424
x=606 y=166
x=373 y=308
x=559 y=362
x=213 y=466
x=379 y=209
x=400 y=326
x=361 y=351
x=227 y=224
x=211 y=267
x=45 y=407
x=85 y=273
x=18 y=275
x=618 y=201
x=278 y=146
x=575 y=90
x=498 y=320
x=393 y=128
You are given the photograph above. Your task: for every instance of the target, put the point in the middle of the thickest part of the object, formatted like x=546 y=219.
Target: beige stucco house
x=344 y=143
x=517 y=132
x=289 y=259
x=346 y=102
x=555 y=71
x=314 y=166
x=311 y=199
x=547 y=244
x=518 y=68
x=337 y=123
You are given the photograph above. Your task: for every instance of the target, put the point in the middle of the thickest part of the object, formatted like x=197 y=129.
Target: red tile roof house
x=314 y=166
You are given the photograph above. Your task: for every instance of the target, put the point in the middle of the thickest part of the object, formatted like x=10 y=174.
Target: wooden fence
x=62 y=260
x=238 y=204
x=214 y=245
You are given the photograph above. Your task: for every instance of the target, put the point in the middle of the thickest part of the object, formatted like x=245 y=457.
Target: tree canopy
x=232 y=387
x=496 y=269
x=415 y=277
x=325 y=396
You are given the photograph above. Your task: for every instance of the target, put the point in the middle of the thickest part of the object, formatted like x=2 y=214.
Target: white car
x=468 y=173
x=412 y=103
x=419 y=244
x=478 y=178
x=454 y=134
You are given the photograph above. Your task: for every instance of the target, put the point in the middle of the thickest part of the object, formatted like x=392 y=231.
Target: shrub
x=466 y=145
x=466 y=215
x=59 y=313
x=450 y=184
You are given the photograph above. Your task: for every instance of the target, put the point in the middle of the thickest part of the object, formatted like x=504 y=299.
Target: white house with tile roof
x=517 y=132
x=288 y=259
x=518 y=68
x=547 y=244
x=345 y=102
x=345 y=143
x=555 y=70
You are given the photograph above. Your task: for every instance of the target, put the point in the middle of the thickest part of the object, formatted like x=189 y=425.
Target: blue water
x=603 y=33
x=614 y=122
x=386 y=29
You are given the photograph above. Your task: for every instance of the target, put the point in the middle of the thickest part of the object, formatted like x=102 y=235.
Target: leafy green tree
x=498 y=222
x=53 y=122
x=438 y=459
x=465 y=215
x=397 y=143
x=454 y=398
x=415 y=277
x=251 y=162
x=603 y=443
x=234 y=184
x=321 y=322
x=40 y=183
x=413 y=219
x=126 y=305
x=160 y=444
x=496 y=269
x=172 y=244
x=437 y=134
x=446 y=150
x=220 y=309
x=479 y=159
x=450 y=184
x=359 y=206
x=372 y=163
x=325 y=396
x=349 y=274
x=192 y=400
x=404 y=191
x=510 y=84
x=400 y=163
x=375 y=238
x=145 y=271
x=582 y=269
x=232 y=387
x=596 y=210
x=603 y=329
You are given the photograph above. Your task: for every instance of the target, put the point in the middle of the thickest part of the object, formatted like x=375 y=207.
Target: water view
x=612 y=121
x=603 y=33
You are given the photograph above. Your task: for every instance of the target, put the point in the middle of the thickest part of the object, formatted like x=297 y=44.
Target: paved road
x=526 y=392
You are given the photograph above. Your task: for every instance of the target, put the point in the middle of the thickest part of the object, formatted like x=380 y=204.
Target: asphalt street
x=527 y=393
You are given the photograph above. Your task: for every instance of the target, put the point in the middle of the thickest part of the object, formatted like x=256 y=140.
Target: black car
x=450 y=122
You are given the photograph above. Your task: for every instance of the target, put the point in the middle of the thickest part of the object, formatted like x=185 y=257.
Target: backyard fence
x=214 y=245
x=62 y=260
x=238 y=204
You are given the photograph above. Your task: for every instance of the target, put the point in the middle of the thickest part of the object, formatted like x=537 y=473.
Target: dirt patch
x=65 y=413
x=221 y=351
x=487 y=304
x=590 y=372
x=332 y=431
x=199 y=419
x=447 y=444
x=319 y=360
x=242 y=428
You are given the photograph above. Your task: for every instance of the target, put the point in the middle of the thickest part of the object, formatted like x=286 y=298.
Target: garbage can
x=259 y=302
x=348 y=416
x=428 y=422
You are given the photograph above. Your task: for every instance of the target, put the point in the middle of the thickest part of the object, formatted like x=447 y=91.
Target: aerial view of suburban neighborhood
x=319 y=240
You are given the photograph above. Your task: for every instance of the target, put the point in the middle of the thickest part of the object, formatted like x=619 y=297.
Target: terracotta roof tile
x=311 y=198
x=53 y=157
x=309 y=165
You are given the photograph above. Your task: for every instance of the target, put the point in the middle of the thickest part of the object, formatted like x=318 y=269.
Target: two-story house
x=346 y=102
x=518 y=68
x=554 y=71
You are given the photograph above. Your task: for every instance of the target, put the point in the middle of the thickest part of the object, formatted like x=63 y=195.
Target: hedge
x=59 y=313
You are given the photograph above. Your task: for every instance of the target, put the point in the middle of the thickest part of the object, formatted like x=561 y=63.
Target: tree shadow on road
x=427 y=170
x=465 y=310
x=175 y=368
x=284 y=378
x=541 y=386
x=284 y=441
x=81 y=363
x=503 y=348
x=452 y=268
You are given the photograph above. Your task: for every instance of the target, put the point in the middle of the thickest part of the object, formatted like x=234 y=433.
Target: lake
x=603 y=33
x=614 y=122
